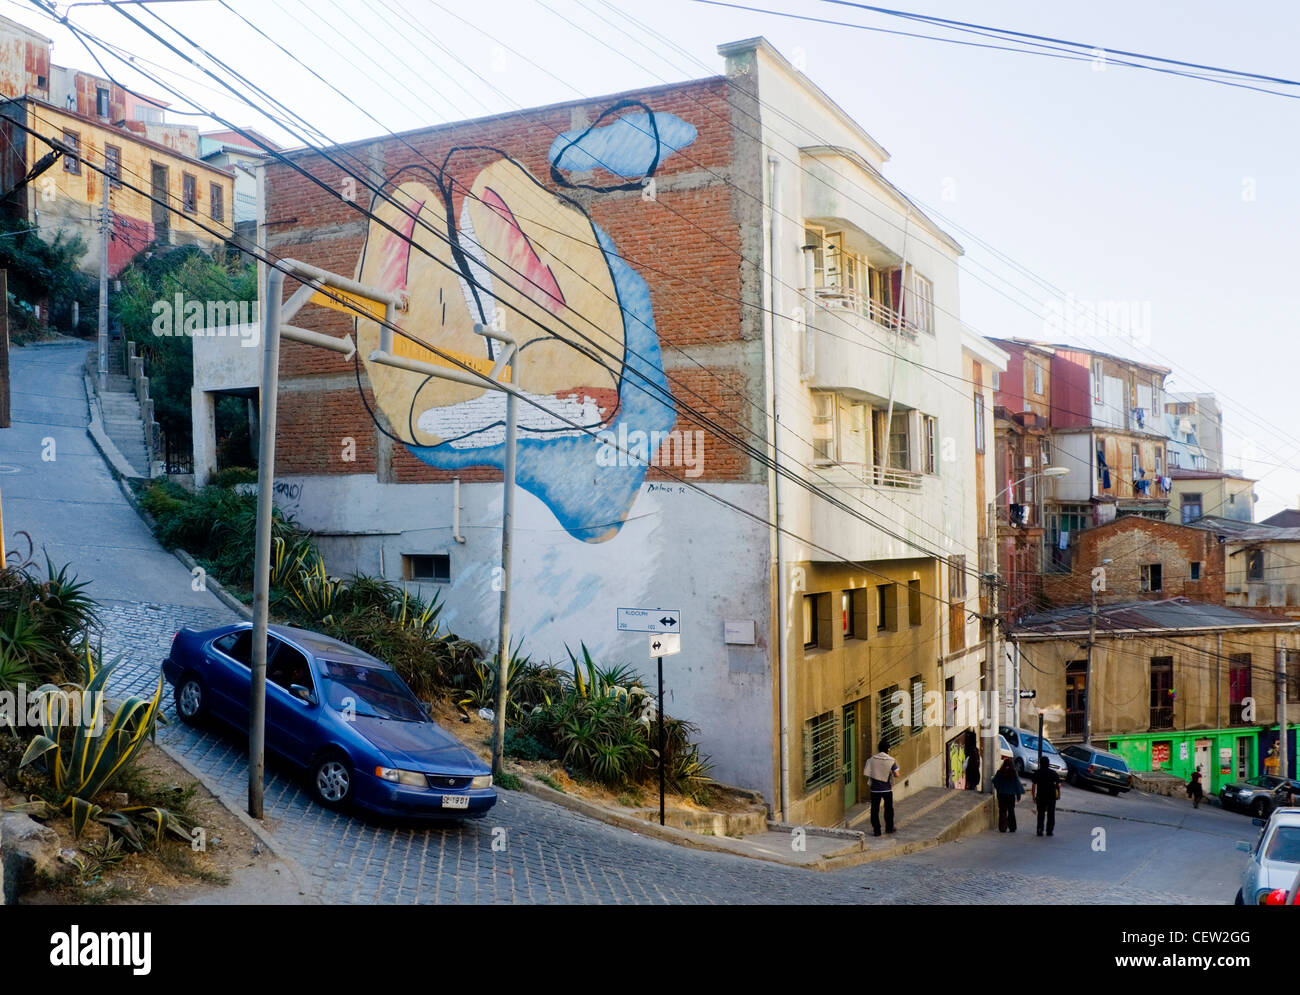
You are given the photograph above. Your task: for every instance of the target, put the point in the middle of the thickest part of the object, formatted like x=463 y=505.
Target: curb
x=259 y=831
x=117 y=463
x=210 y=584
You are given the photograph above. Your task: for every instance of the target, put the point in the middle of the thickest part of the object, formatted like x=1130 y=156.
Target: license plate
x=455 y=801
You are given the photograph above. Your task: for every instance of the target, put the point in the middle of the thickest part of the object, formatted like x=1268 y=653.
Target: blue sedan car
x=341 y=715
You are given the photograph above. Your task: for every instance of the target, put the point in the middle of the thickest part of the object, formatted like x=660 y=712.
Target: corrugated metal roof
x=1174 y=613
x=1237 y=531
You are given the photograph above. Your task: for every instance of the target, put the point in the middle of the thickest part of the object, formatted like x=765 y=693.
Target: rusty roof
x=1233 y=530
x=1135 y=617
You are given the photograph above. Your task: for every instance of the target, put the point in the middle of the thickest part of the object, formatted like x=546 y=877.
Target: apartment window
x=1196 y=569
x=1232 y=499
x=853 y=614
x=1292 y=676
x=113 y=165
x=1255 y=564
x=957 y=578
x=1137 y=459
x=839 y=429
x=1191 y=507
x=72 y=160
x=814 y=238
x=979 y=421
x=820 y=757
x=931 y=444
x=1097 y=381
x=216 y=202
x=823 y=434
x=1162 y=686
x=1038 y=379
x=1173 y=458
x=914 y=602
x=101 y=101
x=811 y=624
x=1149 y=579
x=189 y=193
x=1076 y=696
x=1159 y=468
x=923 y=294
x=886 y=608
x=1238 y=685
x=41 y=82
x=918 y=703
x=891 y=731
x=425 y=567
x=997 y=380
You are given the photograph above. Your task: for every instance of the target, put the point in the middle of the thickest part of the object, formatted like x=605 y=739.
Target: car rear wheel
x=191 y=699
x=332 y=780
x=1260 y=808
x=1113 y=791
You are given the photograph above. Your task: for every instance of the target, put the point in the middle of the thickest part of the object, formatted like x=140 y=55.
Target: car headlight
x=411 y=778
x=482 y=781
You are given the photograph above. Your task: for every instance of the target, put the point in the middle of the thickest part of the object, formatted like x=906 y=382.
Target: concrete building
x=1211 y=492
x=94 y=120
x=1180 y=683
x=1195 y=423
x=1261 y=563
x=651 y=283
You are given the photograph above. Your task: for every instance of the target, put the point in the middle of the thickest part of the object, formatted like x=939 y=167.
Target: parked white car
x=1274 y=859
x=1024 y=750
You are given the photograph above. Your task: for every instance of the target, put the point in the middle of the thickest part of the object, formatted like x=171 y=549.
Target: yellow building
x=159 y=196
x=1197 y=493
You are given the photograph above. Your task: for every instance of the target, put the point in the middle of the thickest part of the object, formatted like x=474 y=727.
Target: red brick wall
x=686 y=245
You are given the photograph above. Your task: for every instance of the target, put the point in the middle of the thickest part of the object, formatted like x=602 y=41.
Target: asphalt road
x=1131 y=849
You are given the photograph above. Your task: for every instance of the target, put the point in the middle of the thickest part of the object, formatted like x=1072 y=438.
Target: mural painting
x=511 y=252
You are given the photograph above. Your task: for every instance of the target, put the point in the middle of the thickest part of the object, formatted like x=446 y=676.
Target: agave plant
x=314 y=591
x=82 y=766
x=591 y=680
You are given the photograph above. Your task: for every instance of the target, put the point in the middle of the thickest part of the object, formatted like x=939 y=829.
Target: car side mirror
x=428 y=708
x=302 y=694
x=1243 y=846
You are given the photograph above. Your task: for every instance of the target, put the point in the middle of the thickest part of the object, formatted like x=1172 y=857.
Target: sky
x=1071 y=184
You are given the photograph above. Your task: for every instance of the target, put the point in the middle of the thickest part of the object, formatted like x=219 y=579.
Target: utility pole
x=507 y=530
x=1087 y=672
x=1283 y=766
x=103 y=284
x=992 y=684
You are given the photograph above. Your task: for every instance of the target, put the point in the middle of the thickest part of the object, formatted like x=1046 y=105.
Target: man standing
x=1046 y=788
x=881 y=770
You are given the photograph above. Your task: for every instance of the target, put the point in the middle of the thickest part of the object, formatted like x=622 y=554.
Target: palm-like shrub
x=85 y=756
x=44 y=623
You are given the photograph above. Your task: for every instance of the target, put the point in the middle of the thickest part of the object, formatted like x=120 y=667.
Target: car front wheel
x=332 y=780
x=1113 y=791
x=191 y=699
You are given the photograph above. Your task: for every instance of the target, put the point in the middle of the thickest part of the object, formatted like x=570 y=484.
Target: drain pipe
x=774 y=494
x=455 y=510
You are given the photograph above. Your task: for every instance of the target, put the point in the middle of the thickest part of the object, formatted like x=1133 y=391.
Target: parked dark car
x=1258 y=795
x=1097 y=768
x=341 y=715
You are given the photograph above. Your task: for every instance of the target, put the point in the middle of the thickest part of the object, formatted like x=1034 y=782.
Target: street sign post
x=649 y=620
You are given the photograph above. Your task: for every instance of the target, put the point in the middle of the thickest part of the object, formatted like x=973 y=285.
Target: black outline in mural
x=559 y=179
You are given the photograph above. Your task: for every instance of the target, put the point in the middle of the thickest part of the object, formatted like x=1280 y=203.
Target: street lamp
x=992 y=665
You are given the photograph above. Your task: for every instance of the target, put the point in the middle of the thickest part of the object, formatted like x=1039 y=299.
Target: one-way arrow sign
x=649 y=620
x=665 y=644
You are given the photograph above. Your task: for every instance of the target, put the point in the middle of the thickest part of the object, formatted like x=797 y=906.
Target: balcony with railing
x=871 y=474
x=851 y=340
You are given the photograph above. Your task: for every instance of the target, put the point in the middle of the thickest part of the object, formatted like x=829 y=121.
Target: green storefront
x=1224 y=755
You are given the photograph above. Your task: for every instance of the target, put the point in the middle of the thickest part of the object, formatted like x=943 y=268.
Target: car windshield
x=369 y=691
x=1264 y=781
x=1285 y=845
x=1032 y=742
x=1114 y=763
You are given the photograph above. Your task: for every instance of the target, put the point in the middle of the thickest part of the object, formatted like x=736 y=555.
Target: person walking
x=1006 y=782
x=972 y=762
x=1194 y=788
x=881 y=770
x=1046 y=789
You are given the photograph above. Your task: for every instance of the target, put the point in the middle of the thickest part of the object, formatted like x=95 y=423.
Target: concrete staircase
x=123 y=422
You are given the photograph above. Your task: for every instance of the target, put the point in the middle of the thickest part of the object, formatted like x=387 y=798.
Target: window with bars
x=890 y=731
x=820 y=751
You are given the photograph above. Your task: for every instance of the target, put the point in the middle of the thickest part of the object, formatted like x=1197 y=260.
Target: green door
x=850 y=756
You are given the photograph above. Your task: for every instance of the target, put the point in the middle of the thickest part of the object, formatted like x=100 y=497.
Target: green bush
x=233 y=475
x=44 y=623
x=525 y=746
